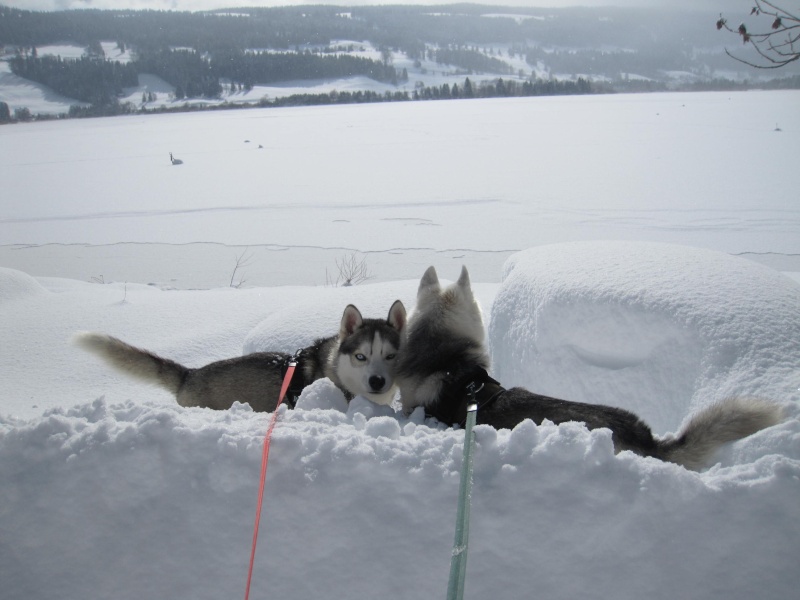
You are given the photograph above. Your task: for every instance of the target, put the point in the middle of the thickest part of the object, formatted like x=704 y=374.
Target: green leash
x=458 y=562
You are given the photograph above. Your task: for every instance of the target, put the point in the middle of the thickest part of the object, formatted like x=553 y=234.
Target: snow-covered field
x=410 y=183
x=632 y=209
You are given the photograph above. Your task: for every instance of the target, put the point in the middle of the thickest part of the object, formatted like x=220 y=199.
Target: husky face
x=444 y=321
x=365 y=358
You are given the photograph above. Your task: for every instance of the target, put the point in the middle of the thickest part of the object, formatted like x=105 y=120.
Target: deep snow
x=643 y=321
x=109 y=489
x=131 y=496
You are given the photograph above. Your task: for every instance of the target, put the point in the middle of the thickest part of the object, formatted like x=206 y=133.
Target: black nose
x=376 y=382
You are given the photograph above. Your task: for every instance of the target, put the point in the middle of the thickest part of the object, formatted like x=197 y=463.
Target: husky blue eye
x=360 y=357
x=390 y=356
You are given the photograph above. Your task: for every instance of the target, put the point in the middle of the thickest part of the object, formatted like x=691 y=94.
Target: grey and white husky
x=443 y=365
x=359 y=360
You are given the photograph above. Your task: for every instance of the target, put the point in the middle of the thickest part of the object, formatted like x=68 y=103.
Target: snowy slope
x=19 y=92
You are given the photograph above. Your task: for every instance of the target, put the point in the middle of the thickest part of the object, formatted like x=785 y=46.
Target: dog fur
x=443 y=352
x=359 y=360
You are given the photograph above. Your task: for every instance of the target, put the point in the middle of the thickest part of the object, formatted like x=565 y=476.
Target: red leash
x=264 y=457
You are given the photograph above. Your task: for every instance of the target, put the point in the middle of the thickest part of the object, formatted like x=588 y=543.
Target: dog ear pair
x=429 y=284
x=352 y=319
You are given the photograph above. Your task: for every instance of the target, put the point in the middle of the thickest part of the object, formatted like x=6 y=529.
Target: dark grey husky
x=443 y=359
x=359 y=360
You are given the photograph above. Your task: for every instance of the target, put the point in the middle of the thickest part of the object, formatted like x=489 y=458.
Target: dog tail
x=134 y=361
x=720 y=423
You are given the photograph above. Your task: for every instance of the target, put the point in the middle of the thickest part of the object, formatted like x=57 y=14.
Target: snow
x=633 y=321
x=400 y=183
x=628 y=296
x=112 y=51
x=62 y=50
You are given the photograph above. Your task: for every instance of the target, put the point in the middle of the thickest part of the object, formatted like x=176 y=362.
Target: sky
x=214 y=4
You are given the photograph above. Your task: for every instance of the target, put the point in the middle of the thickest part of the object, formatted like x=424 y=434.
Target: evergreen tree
x=468 y=91
x=23 y=114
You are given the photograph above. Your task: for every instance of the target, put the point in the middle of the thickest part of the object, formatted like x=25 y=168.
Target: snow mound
x=323 y=394
x=658 y=329
x=294 y=327
x=16 y=285
x=144 y=500
x=318 y=313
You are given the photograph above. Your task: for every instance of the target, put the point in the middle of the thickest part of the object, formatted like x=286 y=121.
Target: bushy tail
x=723 y=422
x=133 y=361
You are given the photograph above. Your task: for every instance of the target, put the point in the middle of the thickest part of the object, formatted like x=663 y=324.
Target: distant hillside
x=401 y=52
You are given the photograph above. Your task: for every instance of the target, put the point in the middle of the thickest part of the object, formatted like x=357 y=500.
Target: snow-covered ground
x=630 y=208
x=407 y=183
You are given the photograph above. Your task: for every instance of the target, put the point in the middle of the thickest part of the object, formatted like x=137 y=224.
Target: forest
x=199 y=53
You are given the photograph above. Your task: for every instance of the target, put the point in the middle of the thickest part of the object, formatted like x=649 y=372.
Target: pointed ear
x=351 y=320
x=429 y=282
x=397 y=315
x=463 y=279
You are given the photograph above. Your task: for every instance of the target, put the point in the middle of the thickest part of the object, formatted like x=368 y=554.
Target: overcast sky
x=211 y=4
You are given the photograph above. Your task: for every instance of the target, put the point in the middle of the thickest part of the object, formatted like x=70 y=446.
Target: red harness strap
x=264 y=458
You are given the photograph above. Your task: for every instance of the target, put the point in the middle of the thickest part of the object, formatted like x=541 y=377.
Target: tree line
x=471 y=60
x=485 y=89
x=666 y=38
x=400 y=27
x=101 y=82
x=467 y=90
x=199 y=53
x=263 y=67
x=87 y=79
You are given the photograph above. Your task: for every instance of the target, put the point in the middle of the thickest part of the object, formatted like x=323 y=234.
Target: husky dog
x=443 y=366
x=359 y=360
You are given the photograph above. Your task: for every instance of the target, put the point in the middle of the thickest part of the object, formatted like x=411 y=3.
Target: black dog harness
x=462 y=389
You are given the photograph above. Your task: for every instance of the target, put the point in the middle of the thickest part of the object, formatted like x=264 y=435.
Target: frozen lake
x=474 y=181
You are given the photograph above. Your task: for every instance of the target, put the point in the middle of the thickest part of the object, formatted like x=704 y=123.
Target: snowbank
x=658 y=329
x=144 y=499
x=16 y=285
x=317 y=317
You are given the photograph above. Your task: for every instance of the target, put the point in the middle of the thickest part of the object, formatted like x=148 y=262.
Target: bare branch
x=242 y=261
x=352 y=271
x=770 y=45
